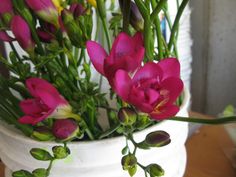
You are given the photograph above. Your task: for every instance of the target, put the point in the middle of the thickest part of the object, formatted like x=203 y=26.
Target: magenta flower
x=126 y=54
x=47 y=102
x=65 y=129
x=45 y=9
x=22 y=33
x=6 y=7
x=153 y=89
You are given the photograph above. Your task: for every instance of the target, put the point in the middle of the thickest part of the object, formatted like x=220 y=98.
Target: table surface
x=207 y=153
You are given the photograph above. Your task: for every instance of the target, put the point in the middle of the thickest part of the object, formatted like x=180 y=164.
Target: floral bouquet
x=50 y=95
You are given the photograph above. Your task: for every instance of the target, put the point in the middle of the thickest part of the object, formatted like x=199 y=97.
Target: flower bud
x=128 y=161
x=136 y=19
x=22 y=33
x=40 y=172
x=6 y=7
x=46 y=10
x=60 y=152
x=42 y=133
x=92 y=2
x=72 y=28
x=155 y=170
x=77 y=9
x=157 y=139
x=65 y=129
x=127 y=116
x=44 y=36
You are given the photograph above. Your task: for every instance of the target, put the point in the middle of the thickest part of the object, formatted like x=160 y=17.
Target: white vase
x=98 y=158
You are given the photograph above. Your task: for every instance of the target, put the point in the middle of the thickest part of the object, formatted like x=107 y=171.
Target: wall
x=214 y=55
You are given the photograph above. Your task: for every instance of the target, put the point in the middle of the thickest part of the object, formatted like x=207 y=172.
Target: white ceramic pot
x=98 y=158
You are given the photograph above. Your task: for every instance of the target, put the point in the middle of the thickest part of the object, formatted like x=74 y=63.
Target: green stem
x=158 y=32
x=50 y=167
x=142 y=8
x=157 y=9
x=176 y=23
x=104 y=24
x=167 y=15
x=225 y=120
x=147 y=38
x=126 y=15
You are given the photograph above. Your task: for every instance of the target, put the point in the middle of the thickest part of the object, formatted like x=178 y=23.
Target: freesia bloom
x=126 y=54
x=22 y=33
x=48 y=10
x=77 y=9
x=65 y=129
x=47 y=102
x=153 y=89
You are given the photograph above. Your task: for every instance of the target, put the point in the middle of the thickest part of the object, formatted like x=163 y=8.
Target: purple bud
x=65 y=129
x=44 y=36
x=6 y=7
x=127 y=116
x=22 y=33
x=77 y=9
x=157 y=139
x=45 y=9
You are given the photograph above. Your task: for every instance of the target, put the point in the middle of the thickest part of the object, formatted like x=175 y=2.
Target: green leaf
x=22 y=173
x=41 y=154
x=40 y=172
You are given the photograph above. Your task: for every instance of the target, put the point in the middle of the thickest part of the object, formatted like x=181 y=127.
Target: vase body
x=98 y=158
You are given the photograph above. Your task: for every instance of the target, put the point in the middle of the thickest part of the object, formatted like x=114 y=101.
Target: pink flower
x=22 y=33
x=153 y=89
x=126 y=54
x=6 y=7
x=47 y=102
x=65 y=129
x=45 y=9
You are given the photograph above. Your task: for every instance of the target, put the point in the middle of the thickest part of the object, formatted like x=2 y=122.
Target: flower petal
x=97 y=55
x=149 y=70
x=31 y=106
x=173 y=87
x=165 y=112
x=33 y=120
x=6 y=6
x=170 y=67
x=122 y=83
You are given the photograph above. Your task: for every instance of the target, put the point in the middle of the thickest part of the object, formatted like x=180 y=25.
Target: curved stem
x=157 y=9
x=158 y=32
x=104 y=24
x=217 y=121
x=126 y=15
x=176 y=23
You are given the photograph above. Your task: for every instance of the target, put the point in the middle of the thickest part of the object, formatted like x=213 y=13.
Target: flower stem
x=158 y=31
x=176 y=23
x=217 y=121
x=157 y=9
x=126 y=15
